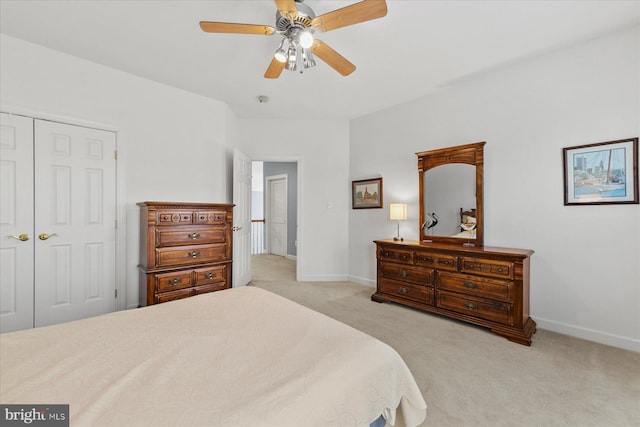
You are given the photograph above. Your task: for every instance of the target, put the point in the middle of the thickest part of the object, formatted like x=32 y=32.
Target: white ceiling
x=419 y=47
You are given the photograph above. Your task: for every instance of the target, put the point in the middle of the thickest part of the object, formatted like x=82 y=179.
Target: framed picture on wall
x=366 y=193
x=601 y=174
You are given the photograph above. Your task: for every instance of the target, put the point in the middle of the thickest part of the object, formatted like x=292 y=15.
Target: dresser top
x=183 y=205
x=412 y=244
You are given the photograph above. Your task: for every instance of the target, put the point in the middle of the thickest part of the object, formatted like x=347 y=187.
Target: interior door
x=241 y=219
x=16 y=222
x=75 y=222
x=277 y=214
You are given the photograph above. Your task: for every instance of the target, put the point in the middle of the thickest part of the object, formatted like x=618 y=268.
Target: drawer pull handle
x=404 y=291
x=194 y=236
x=472 y=266
x=210 y=276
x=470 y=285
x=500 y=269
x=403 y=273
x=194 y=254
x=471 y=306
x=445 y=262
x=174 y=282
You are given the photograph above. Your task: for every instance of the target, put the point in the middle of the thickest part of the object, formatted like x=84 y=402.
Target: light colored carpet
x=470 y=377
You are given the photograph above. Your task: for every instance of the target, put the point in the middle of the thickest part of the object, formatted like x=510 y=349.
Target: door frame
x=299 y=161
x=121 y=302
x=267 y=211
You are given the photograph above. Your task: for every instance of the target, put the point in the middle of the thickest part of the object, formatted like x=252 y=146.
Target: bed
x=238 y=357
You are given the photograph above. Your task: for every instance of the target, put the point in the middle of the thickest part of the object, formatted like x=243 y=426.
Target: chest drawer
x=174 y=295
x=205 y=276
x=421 y=294
x=173 y=281
x=190 y=236
x=485 y=309
x=209 y=288
x=210 y=217
x=396 y=255
x=441 y=262
x=190 y=254
x=420 y=276
x=487 y=267
x=173 y=218
x=472 y=285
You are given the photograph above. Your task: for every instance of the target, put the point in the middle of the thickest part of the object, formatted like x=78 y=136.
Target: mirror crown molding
x=471 y=154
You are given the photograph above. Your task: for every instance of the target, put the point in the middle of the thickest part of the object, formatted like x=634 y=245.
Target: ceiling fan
x=296 y=23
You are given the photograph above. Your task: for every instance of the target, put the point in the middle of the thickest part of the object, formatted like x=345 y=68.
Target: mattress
x=238 y=357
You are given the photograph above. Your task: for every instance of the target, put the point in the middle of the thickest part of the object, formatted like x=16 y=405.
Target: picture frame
x=367 y=194
x=604 y=173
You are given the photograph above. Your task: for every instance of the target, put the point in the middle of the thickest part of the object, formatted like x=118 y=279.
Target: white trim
x=323 y=278
x=42 y=115
x=589 y=334
x=291 y=257
x=363 y=281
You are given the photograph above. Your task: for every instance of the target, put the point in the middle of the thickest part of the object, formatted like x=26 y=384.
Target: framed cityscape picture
x=601 y=174
x=366 y=193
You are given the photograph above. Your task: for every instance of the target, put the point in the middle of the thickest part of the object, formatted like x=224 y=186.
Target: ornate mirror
x=451 y=205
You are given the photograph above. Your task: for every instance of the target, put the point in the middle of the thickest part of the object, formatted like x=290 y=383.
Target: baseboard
x=323 y=278
x=291 y=257
x=363 y=281
x=589 y=334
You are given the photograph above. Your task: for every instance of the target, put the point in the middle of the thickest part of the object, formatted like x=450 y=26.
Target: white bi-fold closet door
x=57 y=222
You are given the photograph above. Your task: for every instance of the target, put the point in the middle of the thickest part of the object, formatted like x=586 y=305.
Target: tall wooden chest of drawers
x=185 y=250
x=483 y=285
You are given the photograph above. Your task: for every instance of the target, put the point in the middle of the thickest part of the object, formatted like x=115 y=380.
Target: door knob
x=23 y=237
x=237 y=228
x=45 y=236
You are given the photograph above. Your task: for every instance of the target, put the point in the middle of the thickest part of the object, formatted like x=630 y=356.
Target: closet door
x=16 y=222
x=75 y=222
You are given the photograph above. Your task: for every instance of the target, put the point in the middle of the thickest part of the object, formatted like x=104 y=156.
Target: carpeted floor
x=470 y=377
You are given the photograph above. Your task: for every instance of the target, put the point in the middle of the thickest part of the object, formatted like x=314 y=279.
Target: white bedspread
x=239 y=357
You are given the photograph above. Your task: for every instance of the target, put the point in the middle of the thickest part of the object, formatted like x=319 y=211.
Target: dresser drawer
x=210 y=288
x=419 y=276
x=485 y=309
x=487 y=267
x=396 y=255
x=210 y=217
x=206 y=276
x=421 y=294
x=172 y=281
x=441 y=262
x=194 y=254
x=174 y=295
x=190 y=236
x=479 y=286
x=173 y=218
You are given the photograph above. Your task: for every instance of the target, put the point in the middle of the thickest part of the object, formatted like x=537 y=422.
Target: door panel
x=75 y=206
x=16 y=218
x=277 y=215
x=241 y=219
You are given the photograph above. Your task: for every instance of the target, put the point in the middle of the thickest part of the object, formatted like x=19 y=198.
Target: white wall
x=172 y=145
x=321 y=148
x=585 y=278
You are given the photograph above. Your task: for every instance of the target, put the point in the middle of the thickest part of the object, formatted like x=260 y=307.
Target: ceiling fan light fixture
x=292 y=59
x=306 y=39
x=308 y=60
x=281 y=54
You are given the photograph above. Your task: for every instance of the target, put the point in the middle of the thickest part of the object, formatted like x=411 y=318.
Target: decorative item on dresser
x=185 y=249
x=451 y=273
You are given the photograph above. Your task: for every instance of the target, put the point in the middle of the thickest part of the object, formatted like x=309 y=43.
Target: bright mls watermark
x=34 y=415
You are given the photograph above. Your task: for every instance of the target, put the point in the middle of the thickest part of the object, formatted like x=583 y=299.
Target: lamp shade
x=397 y=211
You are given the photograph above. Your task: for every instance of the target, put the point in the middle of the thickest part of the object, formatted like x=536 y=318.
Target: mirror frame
x=471 y=154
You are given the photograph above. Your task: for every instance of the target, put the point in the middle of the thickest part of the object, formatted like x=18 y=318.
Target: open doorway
x=274 y=219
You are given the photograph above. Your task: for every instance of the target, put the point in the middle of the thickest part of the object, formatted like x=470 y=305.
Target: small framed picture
x=601 y=174
x=366 y=193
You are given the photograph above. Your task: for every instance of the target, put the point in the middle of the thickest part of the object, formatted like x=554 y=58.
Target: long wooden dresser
x=185 y=250
x=483 y=285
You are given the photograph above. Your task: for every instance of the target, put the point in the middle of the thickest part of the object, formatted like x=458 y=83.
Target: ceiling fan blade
x=362 y=11
x=228 y=27
x=332 y=58
x=287 y=8
x=274 y=69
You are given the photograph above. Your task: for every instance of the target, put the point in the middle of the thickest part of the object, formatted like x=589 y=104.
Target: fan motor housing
x=302 y=20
